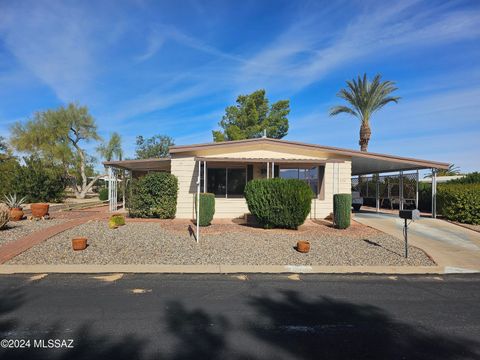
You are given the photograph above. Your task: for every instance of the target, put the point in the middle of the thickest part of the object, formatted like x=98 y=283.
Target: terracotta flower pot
x=16 y=214
x=39 y=209
x=303 y=246
x=79 y=243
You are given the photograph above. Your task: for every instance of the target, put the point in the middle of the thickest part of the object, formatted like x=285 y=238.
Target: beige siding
x=184 y=167
x=322 y=208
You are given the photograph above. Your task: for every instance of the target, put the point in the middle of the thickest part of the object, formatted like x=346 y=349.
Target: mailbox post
x=411 y=215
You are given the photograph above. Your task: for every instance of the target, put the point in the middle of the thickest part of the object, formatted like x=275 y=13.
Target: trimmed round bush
x=207 y=208
x=459 y=202
x=342 y=205
x=283 y=203
x=116 y=220
x=103 y=194
x=154 y=195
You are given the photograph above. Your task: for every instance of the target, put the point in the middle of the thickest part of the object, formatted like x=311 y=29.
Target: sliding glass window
x=228 y=182
x=309 y=175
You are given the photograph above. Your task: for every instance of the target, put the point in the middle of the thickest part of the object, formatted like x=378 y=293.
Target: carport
x=393 y=180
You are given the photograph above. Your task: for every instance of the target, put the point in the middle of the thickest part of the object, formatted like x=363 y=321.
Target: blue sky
x=171 y=67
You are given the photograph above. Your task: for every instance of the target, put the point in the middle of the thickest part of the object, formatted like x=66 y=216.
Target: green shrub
x=116 y=221
x=283 y=203
x=472 y=178
x=103 y=194
x=207 y=208
x=342 y=205
x=40 y=181
x=8 y=173
x=459 y=202
x=154 y=195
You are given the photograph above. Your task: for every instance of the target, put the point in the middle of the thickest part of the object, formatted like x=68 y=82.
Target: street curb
x=232 y=269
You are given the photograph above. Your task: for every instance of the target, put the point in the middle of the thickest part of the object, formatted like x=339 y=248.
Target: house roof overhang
x=155 y=164
x=362 y=162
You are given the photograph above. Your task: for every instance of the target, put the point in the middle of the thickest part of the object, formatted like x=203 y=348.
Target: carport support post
x=400 y=188
x=205 y=176
x=434 y=193
x=377 y=193
x=197 y=237
x=416 y=192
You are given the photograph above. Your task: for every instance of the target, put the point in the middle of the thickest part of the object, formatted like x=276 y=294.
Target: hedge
x=103 y=194
x=154 y=195
x=207 y=208
x=342 y=205
x=459 y=202
x=283 y=203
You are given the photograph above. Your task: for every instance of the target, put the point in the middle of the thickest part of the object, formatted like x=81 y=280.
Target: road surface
x=158 y=316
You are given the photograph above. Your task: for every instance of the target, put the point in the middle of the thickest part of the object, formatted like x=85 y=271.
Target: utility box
x=410 y=214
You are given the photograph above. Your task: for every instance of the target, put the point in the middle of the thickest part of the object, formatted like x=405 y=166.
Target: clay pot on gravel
x=16 y=214
x=303 y=246
x=39 y=210
x=79 y=243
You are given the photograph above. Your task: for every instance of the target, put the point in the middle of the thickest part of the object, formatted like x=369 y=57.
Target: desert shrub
x=4 y=215
x=103 y=194
x=8 y=175
x=116 y=220
x=283 y=203
x=154 y=195
x=459 y=202
x=40 y=181
x=207 y=208
x=342 y=205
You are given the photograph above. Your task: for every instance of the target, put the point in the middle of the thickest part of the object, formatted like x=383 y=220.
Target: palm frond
x=342 y=109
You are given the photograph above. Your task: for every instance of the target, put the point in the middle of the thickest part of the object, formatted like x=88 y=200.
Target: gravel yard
x=18 y=229
x=169 y=242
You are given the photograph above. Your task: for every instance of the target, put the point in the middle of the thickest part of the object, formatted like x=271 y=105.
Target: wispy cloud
x=304 y=54
x=162 y=33
x=52 y=41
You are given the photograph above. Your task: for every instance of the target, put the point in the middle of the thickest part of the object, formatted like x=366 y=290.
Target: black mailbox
x=410 y=214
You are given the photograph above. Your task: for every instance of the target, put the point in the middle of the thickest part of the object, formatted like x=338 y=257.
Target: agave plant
x=13 y=202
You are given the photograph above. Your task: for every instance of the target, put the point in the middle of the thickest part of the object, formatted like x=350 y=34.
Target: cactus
x=342 y=205
x=4 y=215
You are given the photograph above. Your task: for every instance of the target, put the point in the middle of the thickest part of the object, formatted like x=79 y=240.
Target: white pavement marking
x=241 y=277
x=393 y=278
x=295 y=277
x=109 y=278
x=37 y=277
x=140 y=291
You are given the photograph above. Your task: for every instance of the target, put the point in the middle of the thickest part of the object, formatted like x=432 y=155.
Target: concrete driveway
x=455 y=248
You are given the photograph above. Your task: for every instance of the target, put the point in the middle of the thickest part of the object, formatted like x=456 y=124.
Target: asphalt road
x=229 y=317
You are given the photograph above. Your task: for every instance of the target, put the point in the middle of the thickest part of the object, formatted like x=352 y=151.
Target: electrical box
x=410 y=214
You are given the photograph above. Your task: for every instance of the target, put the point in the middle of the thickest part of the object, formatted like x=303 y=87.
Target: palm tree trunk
x=365 y=134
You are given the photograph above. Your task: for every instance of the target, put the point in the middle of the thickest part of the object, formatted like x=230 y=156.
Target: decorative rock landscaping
x=15 y=230
x=169 y=242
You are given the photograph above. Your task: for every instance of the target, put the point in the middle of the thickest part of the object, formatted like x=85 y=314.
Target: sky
x=171 y=67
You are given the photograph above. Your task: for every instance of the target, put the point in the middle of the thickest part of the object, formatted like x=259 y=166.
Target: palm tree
x=451 y=171
x=112 y=149
x=365 y=99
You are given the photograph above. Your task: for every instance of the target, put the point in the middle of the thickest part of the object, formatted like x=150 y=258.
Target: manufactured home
x=225 y=168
